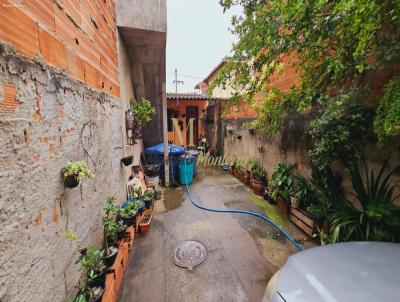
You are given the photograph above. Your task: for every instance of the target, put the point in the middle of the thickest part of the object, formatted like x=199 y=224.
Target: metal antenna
x=176 y=82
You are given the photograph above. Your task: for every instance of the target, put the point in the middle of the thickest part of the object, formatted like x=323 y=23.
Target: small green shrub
x=143 y=110
x=79 y=169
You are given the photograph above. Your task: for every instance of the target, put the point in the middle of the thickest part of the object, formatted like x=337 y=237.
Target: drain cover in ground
x=188 y=254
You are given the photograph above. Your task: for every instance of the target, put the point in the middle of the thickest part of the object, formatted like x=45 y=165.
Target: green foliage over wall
x=332 y=45
x=387 y=121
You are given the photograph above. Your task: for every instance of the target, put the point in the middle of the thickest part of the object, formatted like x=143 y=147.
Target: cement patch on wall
x=47 y=120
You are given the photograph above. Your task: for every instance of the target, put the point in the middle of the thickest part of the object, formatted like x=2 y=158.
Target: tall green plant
x=143 y=110
x=376 y=217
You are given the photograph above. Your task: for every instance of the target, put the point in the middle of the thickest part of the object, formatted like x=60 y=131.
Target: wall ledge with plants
x=104 y=268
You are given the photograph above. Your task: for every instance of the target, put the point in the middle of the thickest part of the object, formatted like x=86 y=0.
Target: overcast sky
x=198 y=39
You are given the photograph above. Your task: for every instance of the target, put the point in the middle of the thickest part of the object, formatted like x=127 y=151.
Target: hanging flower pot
x=252 y=131
x=239 y=136
x=127 y=160
x=71 y=181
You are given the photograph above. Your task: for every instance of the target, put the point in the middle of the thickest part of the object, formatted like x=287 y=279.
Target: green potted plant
x=143 y=110
x=246 y=175
x=91 y=260
x=128 y=214
x=259 y=177
x=148 y=197
x=110 y=230
x=280 y=186
x=76 y=171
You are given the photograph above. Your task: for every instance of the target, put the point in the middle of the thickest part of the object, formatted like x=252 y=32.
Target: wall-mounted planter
x=127 y=160
x=71 y=181
x=252 y=131
x=239 y=137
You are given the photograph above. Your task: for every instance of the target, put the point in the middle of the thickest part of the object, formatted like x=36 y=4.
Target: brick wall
x=77 y=36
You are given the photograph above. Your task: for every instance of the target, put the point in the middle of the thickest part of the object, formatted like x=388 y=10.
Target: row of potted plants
x=120 y=222
x=252 y=174
x=290 y=191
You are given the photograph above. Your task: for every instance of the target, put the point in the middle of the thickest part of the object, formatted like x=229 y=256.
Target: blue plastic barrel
x=186 y=169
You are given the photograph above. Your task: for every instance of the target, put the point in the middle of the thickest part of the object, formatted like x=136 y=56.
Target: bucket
x=152 y=181
x=186 y=170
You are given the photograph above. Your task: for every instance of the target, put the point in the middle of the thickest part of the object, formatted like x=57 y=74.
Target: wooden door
x=193 y=112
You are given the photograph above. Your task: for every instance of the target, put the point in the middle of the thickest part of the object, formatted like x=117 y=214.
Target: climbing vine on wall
x=387 y=121
x=332 y=46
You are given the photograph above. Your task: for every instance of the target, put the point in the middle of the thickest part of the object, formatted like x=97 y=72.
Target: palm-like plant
x=377 y=217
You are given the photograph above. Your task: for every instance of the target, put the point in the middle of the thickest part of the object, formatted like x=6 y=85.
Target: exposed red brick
x=41 y=11
x=18 y=29
x=108 y=68
x=66 y=29
x=75 y=65
x=116 y=90
x=52 y=49
x=86 y=22
x=86 y=50
x=72 y=8
x=10 y=103
x=91 y=75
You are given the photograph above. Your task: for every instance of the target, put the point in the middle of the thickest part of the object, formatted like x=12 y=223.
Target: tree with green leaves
x=337 y=48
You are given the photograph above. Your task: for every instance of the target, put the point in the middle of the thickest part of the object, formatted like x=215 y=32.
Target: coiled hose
x=262 y=217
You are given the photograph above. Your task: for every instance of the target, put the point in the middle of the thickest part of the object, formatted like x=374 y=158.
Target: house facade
x=186 y=113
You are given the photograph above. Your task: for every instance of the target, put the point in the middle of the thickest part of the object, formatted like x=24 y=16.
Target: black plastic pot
x=110 y=259
x=136 y=169
x=121 y=235
x=98 y=283
x=239 y=137
x=148 y=203
x=127 y=160
x=100 y=276
x=152 y=170
x=128 y=221
x=252 y=131
x=71 y=181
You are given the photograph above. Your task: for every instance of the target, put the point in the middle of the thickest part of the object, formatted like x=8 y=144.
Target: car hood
x=354 y=271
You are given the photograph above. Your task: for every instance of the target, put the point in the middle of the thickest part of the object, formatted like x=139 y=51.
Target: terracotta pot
x=282 y=205
x=246 y=179
x=257 y=187
x=240 y=175
x=144 y=224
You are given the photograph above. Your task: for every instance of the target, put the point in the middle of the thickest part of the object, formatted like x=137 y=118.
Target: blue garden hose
x=268 y=220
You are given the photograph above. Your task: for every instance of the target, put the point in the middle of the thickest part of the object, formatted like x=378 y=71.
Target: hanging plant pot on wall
x=127 y=160
x=252 y=131
x=71 y=181
x=239 y=136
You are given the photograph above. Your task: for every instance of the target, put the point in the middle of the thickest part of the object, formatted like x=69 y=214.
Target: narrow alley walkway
x=236 y=267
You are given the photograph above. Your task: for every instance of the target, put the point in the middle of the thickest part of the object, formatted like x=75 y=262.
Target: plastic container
x=186 y=166
x=155 y=154
x=152 y=181
x=195 y=155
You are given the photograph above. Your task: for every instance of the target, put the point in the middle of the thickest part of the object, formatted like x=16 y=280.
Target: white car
x=343 y=272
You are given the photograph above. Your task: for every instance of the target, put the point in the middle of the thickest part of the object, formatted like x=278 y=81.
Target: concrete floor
x=243 y=253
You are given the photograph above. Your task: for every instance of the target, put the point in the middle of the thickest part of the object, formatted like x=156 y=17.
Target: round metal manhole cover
x=188 y=254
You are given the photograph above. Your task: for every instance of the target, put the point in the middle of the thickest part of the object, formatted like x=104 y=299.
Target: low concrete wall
x=46 y=120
